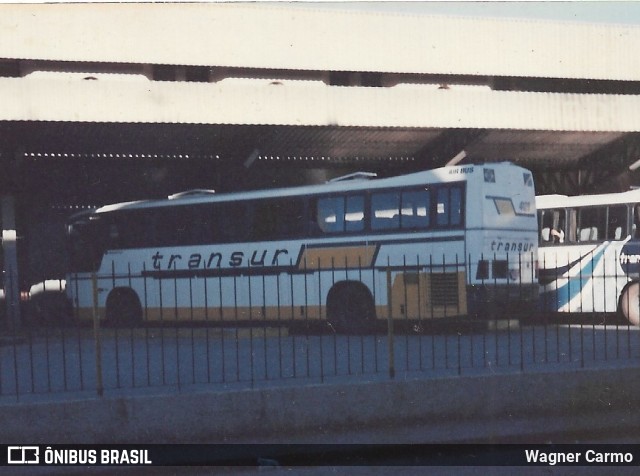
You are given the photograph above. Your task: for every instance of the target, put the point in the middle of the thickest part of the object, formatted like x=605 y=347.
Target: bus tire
x=629 y=304
x=123 y=308
x=350 y=307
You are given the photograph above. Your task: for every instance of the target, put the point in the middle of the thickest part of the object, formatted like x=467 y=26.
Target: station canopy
x=278 y=85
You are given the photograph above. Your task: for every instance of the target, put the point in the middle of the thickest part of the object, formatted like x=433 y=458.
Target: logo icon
x=23 y=455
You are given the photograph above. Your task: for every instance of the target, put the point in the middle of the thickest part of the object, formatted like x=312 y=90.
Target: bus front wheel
x=350 y=307
x=123 y=308
x=629 y=304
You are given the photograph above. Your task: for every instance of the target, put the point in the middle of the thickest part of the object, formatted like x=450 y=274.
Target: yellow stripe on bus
x=338 y=257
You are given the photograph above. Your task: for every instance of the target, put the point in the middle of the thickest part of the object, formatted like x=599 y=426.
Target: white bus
x=589 y=255
x=432 y=244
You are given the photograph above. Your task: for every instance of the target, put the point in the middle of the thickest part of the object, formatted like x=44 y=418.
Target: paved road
x=64 y=361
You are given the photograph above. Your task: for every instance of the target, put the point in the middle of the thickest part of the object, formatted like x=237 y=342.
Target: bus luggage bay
x=590 y=253
x=454 y=241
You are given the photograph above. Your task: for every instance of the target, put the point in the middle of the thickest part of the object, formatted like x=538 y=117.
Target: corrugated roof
x=299 y=104
x=281 y=37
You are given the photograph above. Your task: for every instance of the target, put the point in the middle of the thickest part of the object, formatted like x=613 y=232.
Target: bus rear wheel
x=629 y=305
x=123 y=308
x=350 y=307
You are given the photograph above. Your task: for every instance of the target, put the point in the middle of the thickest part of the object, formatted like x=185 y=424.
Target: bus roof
x=438 y=175
x=564 y=201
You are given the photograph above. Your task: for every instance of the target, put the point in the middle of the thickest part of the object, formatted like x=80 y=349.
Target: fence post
x=96 y=336
x=392 y=368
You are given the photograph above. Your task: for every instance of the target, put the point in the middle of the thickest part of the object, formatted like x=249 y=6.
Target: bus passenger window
x=551 y=226
x=415 y=209
x=456 y=206
x=385 y=211
x=331 y=214
x=591 y=223
x=636 y=222
x=617 y=223
x=290 y=218
x=449 y=206
x=354 y=217
x=442 y=213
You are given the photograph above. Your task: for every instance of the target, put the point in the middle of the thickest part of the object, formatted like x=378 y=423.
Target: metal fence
x=65 y=355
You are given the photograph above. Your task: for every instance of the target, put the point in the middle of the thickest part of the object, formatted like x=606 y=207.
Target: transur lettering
x=216 y=259
x=513 y=246
x=629 y=259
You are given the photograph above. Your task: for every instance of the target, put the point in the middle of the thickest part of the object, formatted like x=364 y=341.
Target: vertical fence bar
x=207 y=342
x=522 y=293
x=374 y=277
x=392 y=368
x=362 y=371
x=557 y=326
x=176 y=318
x=320 y=316
x=96 y=336
x=115 y=331
x=161 y=317
x=468 y=268
x=146 y=320
x=406 y=312
x=346 y=277
x=494 y=313
x=63 y=338
x=306 y=317
x=420 y=326
x=222 y=329
x=132 y=340
x=292 y=338
x=251 y=362
x=13 y=324
x=278 y=304
x=446 y=334
x=459 y=330
x=191 y=317
x=264 y=333
x=335 y=337
x=235 y=311
x=432 y=308
x=482 y=312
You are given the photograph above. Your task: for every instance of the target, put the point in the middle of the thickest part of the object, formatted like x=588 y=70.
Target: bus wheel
x=629 y=305
x=123 y=308
x=350 y=307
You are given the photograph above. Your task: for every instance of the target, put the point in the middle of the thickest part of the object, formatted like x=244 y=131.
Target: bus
x=589 y=253
x=452 y=241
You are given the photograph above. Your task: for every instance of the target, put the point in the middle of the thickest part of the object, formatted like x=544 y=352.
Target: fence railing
x=276 y=332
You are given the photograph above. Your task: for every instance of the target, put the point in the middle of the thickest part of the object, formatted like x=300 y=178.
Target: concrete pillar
x=10 y=252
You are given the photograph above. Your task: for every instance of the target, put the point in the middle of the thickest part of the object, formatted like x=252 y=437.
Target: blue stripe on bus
x=558 y=297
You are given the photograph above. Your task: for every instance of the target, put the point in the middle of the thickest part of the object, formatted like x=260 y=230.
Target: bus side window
x=415 y=209
x=617 y=222
x=290 y=218
x=636 y=222
x=331 y=214
x=545 y=218
x=591 y=224
x=456 y=206
x=449 y=206
x=385 y=211
x=354 y=217
x=552 y=225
